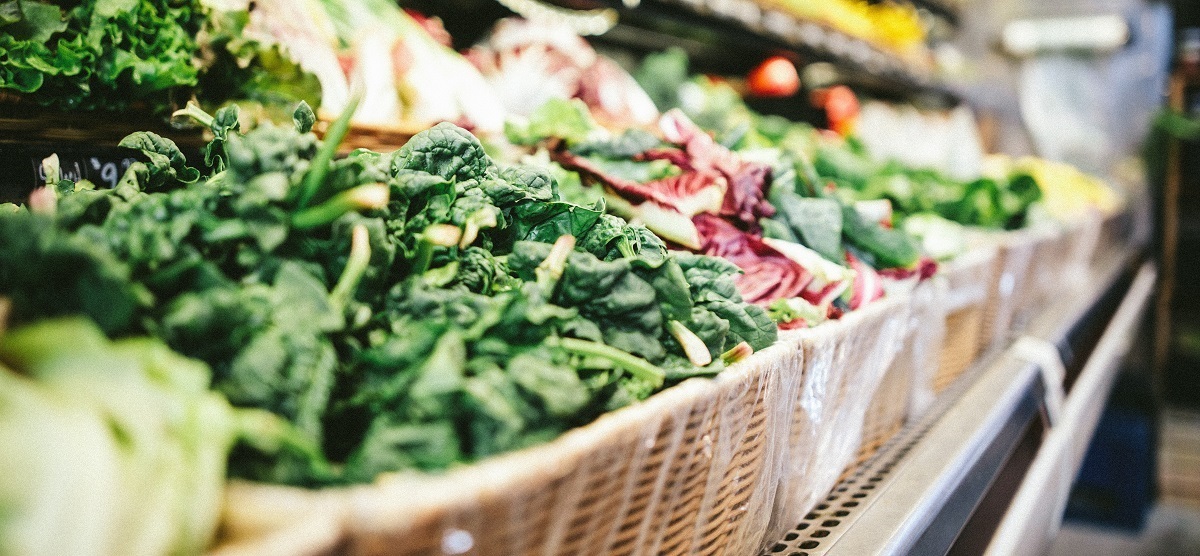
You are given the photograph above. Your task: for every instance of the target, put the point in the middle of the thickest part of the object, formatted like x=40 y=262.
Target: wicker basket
x=967 y=285
x=689 y=471
x=897 y=397
x=1048 y=272
x=376 y=138
x=844 y=362
x=1008 y=285
x=24 y=122
x=887 y=412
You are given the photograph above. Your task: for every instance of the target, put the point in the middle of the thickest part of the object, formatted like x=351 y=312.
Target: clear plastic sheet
x=967 y=281
x=692 y=470
x=844 y=362
x=1048 y=273
x=1062 y=257
x=904 y=390
x=909 y=379
x=1011 y=284
x=1083 y=238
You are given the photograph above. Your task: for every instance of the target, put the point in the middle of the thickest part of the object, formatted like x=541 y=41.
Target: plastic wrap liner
x=1010 y=284
x=897 y=395
x=904 y=391
x=1083 y=237
x=844 y=362
x=1049 y=270
x=692 y=470
x=968 y=280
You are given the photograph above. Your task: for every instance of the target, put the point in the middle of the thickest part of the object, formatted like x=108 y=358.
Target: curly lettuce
x=100 y=54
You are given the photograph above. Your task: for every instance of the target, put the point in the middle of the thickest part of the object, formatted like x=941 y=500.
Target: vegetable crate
x=705 y=467
x=1009 y=285
x=382 y=139
x=844 y=363
x=896 y=398
x=686 y=472
x=1062 y=257
x=967 y=280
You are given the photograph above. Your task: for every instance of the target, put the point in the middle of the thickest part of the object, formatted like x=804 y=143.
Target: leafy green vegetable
x=99 y=54
x=816 y=222
x=444 y=150
x=569 y=120
x=661 y=74
x=115 y=447
x=888 y=248
x=402 y=310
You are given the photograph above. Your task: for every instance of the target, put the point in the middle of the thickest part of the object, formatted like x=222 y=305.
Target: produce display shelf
x=989 y=466
x=721 y=29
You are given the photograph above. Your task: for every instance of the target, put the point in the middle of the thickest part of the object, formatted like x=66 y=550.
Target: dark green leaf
x=890 y=248
x=303 y=118
x=816 y=222
x=445 y=150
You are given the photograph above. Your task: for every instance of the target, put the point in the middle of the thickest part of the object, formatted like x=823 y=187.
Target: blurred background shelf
x=729 y=37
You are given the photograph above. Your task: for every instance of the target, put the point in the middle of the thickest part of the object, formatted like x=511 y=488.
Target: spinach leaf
x=889 y=248
x=445 y=150
x=817 y=222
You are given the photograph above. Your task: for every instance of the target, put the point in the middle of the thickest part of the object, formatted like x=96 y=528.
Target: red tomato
x=841 y=107
x=775 y=77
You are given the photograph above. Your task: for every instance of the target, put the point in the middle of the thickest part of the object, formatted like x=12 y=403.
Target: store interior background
x=1139 y=489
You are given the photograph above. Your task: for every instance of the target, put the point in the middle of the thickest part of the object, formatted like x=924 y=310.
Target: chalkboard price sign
x=104 y=172
x=21 y=166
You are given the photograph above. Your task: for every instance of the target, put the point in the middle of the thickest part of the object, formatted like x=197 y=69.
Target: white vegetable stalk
x=693 y=346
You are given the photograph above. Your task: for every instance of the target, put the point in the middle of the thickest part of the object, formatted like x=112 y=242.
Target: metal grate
x=821 y=528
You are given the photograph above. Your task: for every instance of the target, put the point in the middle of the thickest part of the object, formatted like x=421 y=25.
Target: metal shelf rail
x=990 y=465
x=725 y=28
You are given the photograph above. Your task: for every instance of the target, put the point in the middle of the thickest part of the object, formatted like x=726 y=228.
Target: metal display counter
x=989 y=467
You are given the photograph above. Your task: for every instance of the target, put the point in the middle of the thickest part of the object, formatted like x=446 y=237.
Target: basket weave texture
x=897 y=397
x=688 y=471
x=967 y=281
x=1008 y=285
x=844 y=362
x=706 y=467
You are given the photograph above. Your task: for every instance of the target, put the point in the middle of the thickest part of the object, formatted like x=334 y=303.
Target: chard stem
x=551 y=269
x=363 y=197
x=193 y=111
x=356 y=266
x=695 y=349
x=626 y=248
x=636 y=366
x=436 y=235
x=737 y=353
x=315 y=177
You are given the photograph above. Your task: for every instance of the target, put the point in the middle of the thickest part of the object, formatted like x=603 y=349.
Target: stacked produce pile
x=152 y=55
x=407 y=310
x=528 y=63
x=98 y=54
x=804 y=252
